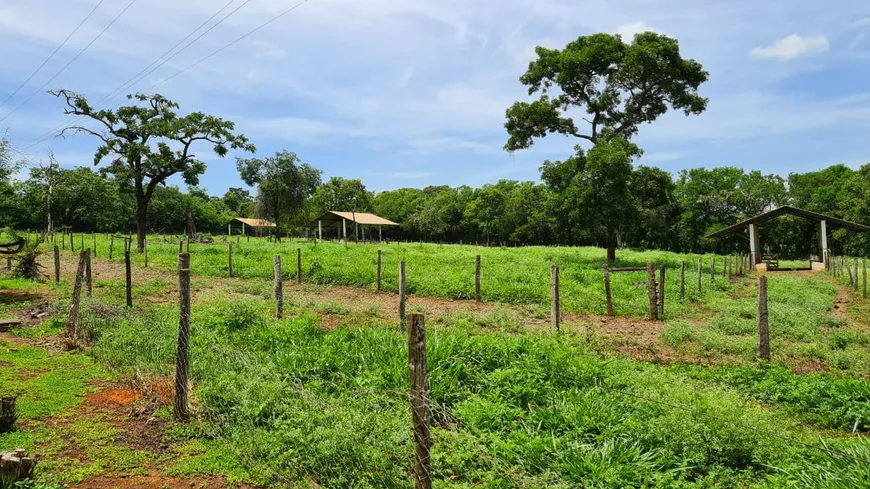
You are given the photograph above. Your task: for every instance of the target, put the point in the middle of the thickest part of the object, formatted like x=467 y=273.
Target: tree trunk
x=141 y=218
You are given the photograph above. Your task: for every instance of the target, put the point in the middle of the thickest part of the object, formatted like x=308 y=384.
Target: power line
x=273 y=19
x=70 y=61
x=62 y=44
x=142 y=73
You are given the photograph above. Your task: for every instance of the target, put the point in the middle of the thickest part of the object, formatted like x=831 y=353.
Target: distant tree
x=342 y=194
x=653 y=190
x=284 y=186
x=621 y=86
x=239 y=201
x=9 y=203
x=150 y=143
x=399 y=205
x=488 y=211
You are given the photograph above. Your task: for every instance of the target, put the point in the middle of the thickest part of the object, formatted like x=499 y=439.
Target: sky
x=410 y=93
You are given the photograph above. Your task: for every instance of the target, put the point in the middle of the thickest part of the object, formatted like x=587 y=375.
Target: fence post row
x=607 y=294
x=554 y=297
x=402 y=296
x=279 y=289
x=763 y=326
x=182 y=356
x=477 y=278
x=72 y=318
x=417 y=370
x=651 y=290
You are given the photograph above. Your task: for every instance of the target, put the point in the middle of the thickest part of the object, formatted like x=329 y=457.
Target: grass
x=509 y=410
x=509 y=275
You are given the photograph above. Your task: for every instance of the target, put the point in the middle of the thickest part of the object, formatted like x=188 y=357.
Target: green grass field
x=320 y=397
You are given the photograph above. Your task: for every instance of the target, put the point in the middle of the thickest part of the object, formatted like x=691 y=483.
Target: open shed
x=256 y=224
x=360 y=220
x=752 y=224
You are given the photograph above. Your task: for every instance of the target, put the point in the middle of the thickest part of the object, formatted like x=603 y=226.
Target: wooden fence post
x=145 y=251
x=477 y=278
x=72 y=242
x=682 y=280
x=712 y=269
x=298 y=265
x=856 y=274
x=699 y=274
x=402 y=296
x=129 y=278
x=180 y=246
x=182 y=355
x=279 y=289
x=763 y=326
x=56 y=264
x=379 y=270
x=849 y=269
x=554 y=297
x=88 y=274
x=864 y=279
x=72 y=318
x=651 y=290
x=111 y=246
x=94 y=243
x=607 y=296
x=230 y=259
x=420 y=415
x=662 y=292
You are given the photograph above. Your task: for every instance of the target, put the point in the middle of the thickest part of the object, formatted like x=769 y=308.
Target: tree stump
x=16 y=466
x=8 y=413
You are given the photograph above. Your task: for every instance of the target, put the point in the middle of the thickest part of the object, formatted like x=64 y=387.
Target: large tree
x=620 y=86
x=284 y=186
x=150 y=142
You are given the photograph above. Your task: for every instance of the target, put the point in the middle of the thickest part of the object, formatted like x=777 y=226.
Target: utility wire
x=273 y=19
x=62 y=44
x=70 y=61
x=148 y=69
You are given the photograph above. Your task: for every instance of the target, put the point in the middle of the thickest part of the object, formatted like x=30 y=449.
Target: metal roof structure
x=357 y=217
x=255 y=223
x=738 y=228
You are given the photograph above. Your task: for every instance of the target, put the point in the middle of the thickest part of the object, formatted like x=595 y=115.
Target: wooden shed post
x=344 y=228
x=380 y=234
x=319 y=229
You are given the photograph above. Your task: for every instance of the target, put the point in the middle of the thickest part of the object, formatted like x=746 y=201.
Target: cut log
x=6 y=324
x=16 y=466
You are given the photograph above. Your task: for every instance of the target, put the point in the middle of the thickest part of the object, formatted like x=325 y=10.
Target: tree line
x=595 y=196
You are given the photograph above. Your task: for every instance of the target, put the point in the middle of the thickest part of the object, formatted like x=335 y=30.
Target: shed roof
x=781 y=211
x=357 y=217
x=256 y=223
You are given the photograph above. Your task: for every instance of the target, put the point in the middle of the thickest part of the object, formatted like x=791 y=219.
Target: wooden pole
x=607 y=297
x=298 y=265
x=662 y=292
x=651 y=291
x=712 y=269
x=230 y=259
x=182 y=355
x=763 y=326
x=145 y=251
x=420 y=414
x=129 y=278
x=554 y=297
x=180 y=246
x=849 y=269
x=477 y=278
x=856 y=274
x=72 y=318
x=682 y=280
x=72 y=242
x=402 y=296
x=864 y=279
x=94 y=243
x=279 y=289
x=111 y=246
x=56 y=264
x=88 y=274
x=379 y=270
x=699 y=274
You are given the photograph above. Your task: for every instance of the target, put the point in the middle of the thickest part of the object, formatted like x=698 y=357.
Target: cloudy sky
x=413 y=92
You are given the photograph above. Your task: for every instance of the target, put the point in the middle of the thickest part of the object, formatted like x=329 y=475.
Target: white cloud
x=862 y=22
x=628 y=31
x=792 y=47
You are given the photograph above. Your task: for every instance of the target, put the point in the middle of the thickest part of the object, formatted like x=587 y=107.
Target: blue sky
x=413 y=92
